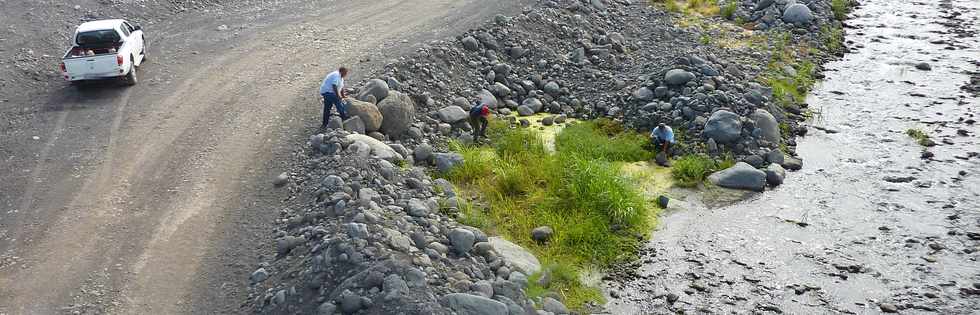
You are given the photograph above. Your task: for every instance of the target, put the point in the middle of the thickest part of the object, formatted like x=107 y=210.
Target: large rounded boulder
x=723 y=126
x=398 y=111
x=797 y=13
x=369 y=114
x=376 y=87
x=768 y=124
x=741 y=176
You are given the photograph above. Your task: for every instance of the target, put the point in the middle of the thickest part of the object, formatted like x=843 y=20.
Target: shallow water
x=837 y=237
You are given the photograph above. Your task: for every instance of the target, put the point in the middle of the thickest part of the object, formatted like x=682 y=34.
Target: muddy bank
x=873 y=223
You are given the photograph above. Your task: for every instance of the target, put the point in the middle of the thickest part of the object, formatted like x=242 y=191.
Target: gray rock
x=515 y=255
x=723 y=126
x=369 y=114
x=554 y=306
x=678 y=77
x=259 y=275
x=792 y=163
x=355 y=125
x=374 y=87
x=533 y=103
x=888 y=308
x=754 y=160
x=468 y=304
x=775 y=157
x=417 y=208
x=923 y=66
x=462 y=240
x=357 y=230
x=335 y=122
x=398 y=111
x=542 y=234
x=327 y=308
x=797 y=13
x=452 y=114
x=350 y=302
x=524 y=111
x=775 y=174
x=423 y=153
x=552 y=88
x=644 y=94
x=446 y=161
x=765 y=121
x=763 y=4
x=378 y=149
x=741 y=176
x=286 y=244
x=470 y=43
x=548 y=121
x=281 y=180
x=486 y=97
x=500 y=90
x=394 y=287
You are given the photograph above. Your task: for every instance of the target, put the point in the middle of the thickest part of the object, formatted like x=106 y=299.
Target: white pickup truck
x=105 y=49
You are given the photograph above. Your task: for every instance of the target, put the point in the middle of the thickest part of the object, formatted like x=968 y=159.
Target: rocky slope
x=367 y=230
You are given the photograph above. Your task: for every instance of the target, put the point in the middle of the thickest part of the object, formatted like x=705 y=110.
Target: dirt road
x=156 y=199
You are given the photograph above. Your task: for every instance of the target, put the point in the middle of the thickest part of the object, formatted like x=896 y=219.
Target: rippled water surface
x=868 y=225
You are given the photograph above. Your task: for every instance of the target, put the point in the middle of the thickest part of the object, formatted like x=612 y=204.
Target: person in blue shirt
x=332 y=90
x=663 y=138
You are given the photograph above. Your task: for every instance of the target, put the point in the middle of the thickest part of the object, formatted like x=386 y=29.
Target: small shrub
x=609 y=127
x=833 y=38
x=840 y=8
x=920 y=136
x=691 y=170
x=728 y=11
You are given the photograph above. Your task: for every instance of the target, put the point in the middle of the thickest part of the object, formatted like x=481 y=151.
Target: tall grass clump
x=840 y=8
x=579 y=191
x=590 y=140
x=691 y=170
x=728 y=11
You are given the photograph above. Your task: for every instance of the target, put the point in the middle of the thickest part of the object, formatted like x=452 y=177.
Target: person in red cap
x=479 y=119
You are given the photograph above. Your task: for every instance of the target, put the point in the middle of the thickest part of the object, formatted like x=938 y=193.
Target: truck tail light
x=119 y=60
x=63 y=67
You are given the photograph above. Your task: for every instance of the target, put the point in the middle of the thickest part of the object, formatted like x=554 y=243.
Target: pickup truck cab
x=105 y=49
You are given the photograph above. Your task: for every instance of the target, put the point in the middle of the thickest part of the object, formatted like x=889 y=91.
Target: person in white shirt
x=333 y=94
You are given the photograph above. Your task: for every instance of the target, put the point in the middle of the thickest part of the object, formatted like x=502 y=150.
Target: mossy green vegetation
x=728 y=10
x=599 y=215
x=691 y=170
x=700 y=7
x=840 y=8
x=921 y=137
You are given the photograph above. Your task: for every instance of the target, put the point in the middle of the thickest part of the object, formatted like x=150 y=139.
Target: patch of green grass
x=833 y=38
x=921 y=137
x=690 y=170
x=840 y=8
x=579 y=190
x=728 y=11
x=476 y=164
x=564 y=281
x=590 y=140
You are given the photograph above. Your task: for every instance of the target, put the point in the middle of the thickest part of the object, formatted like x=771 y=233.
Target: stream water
x=869 y=225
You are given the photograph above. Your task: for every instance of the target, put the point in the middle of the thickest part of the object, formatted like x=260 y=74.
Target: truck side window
x=125 y=31
x=129 y=27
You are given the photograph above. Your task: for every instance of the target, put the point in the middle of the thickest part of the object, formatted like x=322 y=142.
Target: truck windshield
x=97 y=38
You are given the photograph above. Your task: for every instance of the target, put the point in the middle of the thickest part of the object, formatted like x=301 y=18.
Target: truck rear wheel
x=131 y=78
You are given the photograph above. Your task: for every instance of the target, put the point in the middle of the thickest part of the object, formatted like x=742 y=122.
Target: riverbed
x=872 y=223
